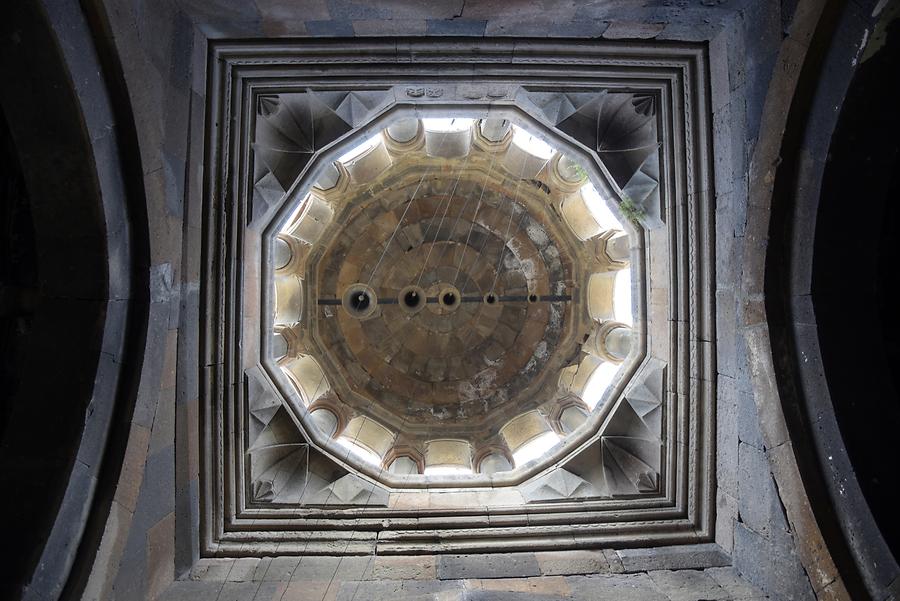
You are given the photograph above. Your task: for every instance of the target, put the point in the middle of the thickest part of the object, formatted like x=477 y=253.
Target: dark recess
x=855 y=268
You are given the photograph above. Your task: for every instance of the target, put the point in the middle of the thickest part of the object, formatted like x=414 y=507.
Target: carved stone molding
x=640 y=472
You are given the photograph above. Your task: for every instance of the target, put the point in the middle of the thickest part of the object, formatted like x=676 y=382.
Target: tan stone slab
x=414 y=567
x=556 y=563
x=544 y=585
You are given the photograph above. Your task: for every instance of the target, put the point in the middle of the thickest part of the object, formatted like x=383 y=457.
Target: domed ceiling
x=451 y=296
x=456 y=297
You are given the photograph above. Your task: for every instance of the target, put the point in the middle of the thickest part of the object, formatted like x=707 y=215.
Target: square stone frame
x=683 y=510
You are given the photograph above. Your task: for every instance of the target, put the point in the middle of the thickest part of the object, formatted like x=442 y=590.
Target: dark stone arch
x=830 y=199
x=75 y=366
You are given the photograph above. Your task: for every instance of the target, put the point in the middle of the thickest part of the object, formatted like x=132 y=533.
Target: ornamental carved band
x=318 y=432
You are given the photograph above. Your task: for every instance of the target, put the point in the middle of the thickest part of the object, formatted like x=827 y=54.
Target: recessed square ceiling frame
x=464 y=72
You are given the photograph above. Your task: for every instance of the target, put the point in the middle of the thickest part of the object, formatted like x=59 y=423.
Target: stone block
x=625 y=30
x=412 y=567
x=505 y=565
x=772 y=566
x=133 y=467
x=621 y=587
x=749 y=431
x=553 y=563
x=359 y=590
x=732 y=583
x=687 y=585
x=237 y=591
x=758 y=503
x=310 y=590
x=389 y=27
x=348 y=567
x=211 y=570
x=551 y=586
x=243 y=570
x=615 y=563
x=330 y=28
x=160 y=555
x=726 y=515
x=270 y=591
x=190 y=590
x=431 y=587
x=683 y=557
x=727 y=435
x=163 y=431
x=455 y=27
x=281 y=568
x=262 y=567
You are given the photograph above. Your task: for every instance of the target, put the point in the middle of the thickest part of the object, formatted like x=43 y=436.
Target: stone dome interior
x=452 y=295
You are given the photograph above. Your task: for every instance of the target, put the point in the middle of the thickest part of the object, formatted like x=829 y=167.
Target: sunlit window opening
x=449 y=124
x=358 y=151
x=531 y=144
x=598 y=208
x=598 y=383
x=535 y=448
x=359 y=451
x=622 y=297
x=446 y=470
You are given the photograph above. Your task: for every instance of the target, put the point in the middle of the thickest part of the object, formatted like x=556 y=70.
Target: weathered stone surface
x=619 y=30
x=189 y=590
x=338 y=568
x=414 y=567
x=621 y=587
x=673 y=558
x=687 y=585
x=506 y=565
x=545 y=586
x=738 y=588
x=243 y=569
x=554 y=563
x=760 y=509
x=772 y=565
x=237 y=591
x=281 y=568
x=212 y=570
x=160 y=555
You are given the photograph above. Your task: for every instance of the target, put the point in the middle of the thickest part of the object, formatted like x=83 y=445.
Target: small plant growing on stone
x=580 y=171
x=631 y=211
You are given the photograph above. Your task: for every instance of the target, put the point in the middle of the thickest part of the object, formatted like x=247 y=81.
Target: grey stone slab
x=348 y=9
x=212 y=570
x=749 y=430
x=734 y=585
x=340 y=568
x=679 y=557
x=431 y=587
x=772 y=566
x=505 y=565
x=621 y=587
x=758 y=504
x=281 y=568
x=510 y=596
x=565 y=563
x=238 y=591
x=687 y=585
x=191 y=590
x=455 y=27
x=726 y=515
x=359 y=590
x=390 y=27
x=243 y=569
x=330 y=28
x=157 y=494
x=727 y=435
